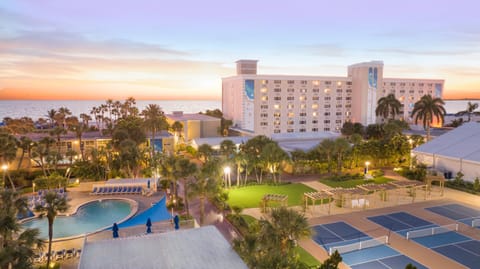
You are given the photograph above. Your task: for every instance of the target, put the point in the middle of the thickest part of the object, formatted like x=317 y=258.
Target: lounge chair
x=140 y=189
x=59 y=255
x=38 y=258
x=95 y=189
x=78 y=252
x=115 y=189
x=103 y=190
x=109 y=190
x=124 y=189
x=70 y=253
x=129 y=189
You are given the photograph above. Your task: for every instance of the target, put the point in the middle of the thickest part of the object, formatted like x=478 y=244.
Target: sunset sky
x=98 y=49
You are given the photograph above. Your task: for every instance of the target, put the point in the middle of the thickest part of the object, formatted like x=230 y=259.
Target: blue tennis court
x=377 y=257
x=458 y=212
x=451 y=244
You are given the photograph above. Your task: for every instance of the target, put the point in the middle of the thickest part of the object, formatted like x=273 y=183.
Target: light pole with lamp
x=4 y=169
x=367 y=163
x=410 y=142
x=226 y=178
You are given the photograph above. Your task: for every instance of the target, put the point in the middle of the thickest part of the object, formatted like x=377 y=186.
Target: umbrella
x=148 y=184
x=176 y=219
x=149 y=226
x=115 y=230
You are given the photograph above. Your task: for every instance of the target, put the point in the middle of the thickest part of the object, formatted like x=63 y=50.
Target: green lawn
x=354 y=182
x=306 y=258
x=251 y=196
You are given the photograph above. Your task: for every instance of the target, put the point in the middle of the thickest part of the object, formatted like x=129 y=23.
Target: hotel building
x=276 y=104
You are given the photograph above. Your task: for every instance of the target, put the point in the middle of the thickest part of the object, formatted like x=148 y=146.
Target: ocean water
x=38 y=108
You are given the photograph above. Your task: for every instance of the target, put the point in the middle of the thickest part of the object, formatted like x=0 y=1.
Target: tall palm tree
x=388 y=106
x=185 y=168
x=272 y=156
x=177 y=128
x=54 y=204
x=428 y=109
x=342 y=146
x=25 y=144
x=155 y=121
x=51 y=116
x=470 y=111
x=17 y=245
x=327 y=147
x=206 y=184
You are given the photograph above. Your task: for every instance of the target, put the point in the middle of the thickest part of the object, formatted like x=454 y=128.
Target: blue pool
x=90 y=217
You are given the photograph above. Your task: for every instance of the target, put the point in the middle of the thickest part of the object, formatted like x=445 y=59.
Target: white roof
x=201 y=248
x=460 y=143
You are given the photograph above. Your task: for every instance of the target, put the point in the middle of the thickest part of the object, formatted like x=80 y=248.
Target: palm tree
x=289 y=225
x=388 y=105
x=185 y=168
x=272 y=156
x=471 y=107
x=341 y=146
x=85 y=119
x=227 y=148
x=428 y=109
x=54 y=204
x=204 y=152
x=327 y=147
x=206 y=184
x=154 y=120
x=25 y=144
x=177 y=128
x=51 y=116
x=17 y=245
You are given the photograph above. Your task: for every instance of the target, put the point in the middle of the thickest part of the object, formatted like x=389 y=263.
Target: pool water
x=88 y=218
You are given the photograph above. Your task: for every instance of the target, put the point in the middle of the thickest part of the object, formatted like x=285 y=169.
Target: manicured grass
x=354 y=182
x=251 y=196
x=306 y=258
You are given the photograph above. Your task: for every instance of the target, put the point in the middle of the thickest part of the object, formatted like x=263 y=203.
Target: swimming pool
x=90 y=217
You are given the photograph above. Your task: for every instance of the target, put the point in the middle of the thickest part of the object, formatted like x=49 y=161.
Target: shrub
x=476 y=184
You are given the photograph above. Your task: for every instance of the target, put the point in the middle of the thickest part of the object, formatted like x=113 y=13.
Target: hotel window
x=348 y=106
x=264 y=98
x=264 y=106
x=328 y=82
x=326 y=129
x=264 y=81
x=290 y=130
x=392 y=83
x=263 y=123
x=314 y=114
x=290 y=122
x=291 y=114
x=263 y=115
x=303 y=130
x=316 y=90
x=277 y=81
x=263 y=90
x=430 y=84
x=420 y=84
x=303 y=106
x=303 y=114
x=349 y=90
x=277 y=122
x=315 y=98
x=327 y=98
x=314 y=129
x=277 y=98
x=348 y=113
x=339 y=90
x=326 y=114
x=316 y=82
x=314 y=106
x=276 y=106
x=411 y=91
x=314 y=121
x=338 y=121
x=290 y=90
x=276 y=131
x=420 y=92
x=290 y=81
x=302 y=98
x=276 y=115
x=348 y=98
x=402 y=91
x=303 y=82
x=303 y=122
x=413 y=84
x=277 y=90
x=326 y=106
x=290 y=98
x=339 y=98
x=290 y=106
x=326 y=121
x=339 y=83
x=338 y=113
x=349 y=83
x=327 y=90
x=303 y=90
x=339 y=106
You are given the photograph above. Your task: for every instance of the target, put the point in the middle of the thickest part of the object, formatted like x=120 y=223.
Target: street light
x=226 y=172
x=33 y=186
x=367 y=163
x=410 y=141
x=4 y=168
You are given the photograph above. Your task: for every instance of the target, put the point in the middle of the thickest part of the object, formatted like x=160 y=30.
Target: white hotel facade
x=280 y=104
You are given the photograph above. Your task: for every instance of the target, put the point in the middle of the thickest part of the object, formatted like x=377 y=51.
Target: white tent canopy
x=201 y=248
x=455 y=151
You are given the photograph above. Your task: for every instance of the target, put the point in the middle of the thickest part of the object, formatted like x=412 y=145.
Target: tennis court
x=359 y=250
x=460 y=213
x=442 y=239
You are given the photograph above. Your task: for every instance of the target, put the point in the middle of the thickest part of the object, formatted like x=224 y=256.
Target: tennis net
x=370 y=243
x=432 y=231
x=476 y=222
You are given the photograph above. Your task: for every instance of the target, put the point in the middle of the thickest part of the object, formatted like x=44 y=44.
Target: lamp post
x=226 y=178
x=367 y=163
x=410 y=141
x=33 y=187
x=4 y=169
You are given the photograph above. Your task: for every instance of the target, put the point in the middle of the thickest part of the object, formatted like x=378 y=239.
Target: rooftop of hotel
x=180 y=116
